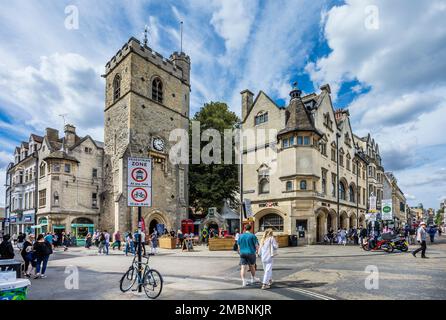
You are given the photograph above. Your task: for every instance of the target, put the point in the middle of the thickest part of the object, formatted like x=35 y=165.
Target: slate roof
x=60 y=155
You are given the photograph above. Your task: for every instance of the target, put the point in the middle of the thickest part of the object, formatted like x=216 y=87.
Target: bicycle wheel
x=128 y=280
x=153 y=284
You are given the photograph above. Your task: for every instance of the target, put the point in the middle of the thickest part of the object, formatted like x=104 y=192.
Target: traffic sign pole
x=139 y=250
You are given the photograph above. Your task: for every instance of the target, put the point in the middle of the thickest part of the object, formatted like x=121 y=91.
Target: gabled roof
x=36 y=138
x=97 y=144
x=255 y=101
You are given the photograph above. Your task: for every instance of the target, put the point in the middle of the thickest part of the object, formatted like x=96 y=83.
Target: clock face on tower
x=158 y=144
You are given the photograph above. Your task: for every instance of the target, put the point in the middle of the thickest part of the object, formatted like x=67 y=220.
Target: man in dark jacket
x=6 y=249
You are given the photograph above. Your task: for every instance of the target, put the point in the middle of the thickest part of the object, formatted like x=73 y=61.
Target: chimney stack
x=52 y=134
x=70 y=135
x=247 y=102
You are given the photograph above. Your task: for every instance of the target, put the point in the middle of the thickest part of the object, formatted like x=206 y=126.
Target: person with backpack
x=101 y=243
x=42 y=251
x=267 y=251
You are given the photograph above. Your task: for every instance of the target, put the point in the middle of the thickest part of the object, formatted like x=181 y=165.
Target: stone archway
x=353 y=220
x=323 y=222
x=344 y=220
x=154 y=218
x=269 y=211
x=362 y=220
x=332 y=220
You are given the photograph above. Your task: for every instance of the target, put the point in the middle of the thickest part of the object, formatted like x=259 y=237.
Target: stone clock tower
x=146 y=97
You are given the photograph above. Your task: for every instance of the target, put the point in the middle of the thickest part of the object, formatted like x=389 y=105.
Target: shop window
x=271 y=221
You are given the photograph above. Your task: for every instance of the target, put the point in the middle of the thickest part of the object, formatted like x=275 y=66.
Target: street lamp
x=338 y=135
x=239 y=126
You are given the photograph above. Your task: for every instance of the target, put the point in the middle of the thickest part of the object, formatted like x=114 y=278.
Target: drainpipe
x=357 y=195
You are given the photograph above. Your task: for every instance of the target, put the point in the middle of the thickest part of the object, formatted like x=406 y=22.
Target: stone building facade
x=147 y=96
x=305 y=159
x=393 y=192
x=21 y=205
x=375 y=169
x=69 y=183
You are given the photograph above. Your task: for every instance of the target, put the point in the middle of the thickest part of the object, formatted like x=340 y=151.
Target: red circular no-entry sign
x=139 y=174
x=139 y=195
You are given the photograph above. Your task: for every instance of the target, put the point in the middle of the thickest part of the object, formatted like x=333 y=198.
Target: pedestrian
x=439 y=231
x=129 y=244
x=432 y=231
x=236 y=237
x=42 y=250
x=88 y=241
x=96 y=238
x=101 y=243
x=65 y=242
x=143 y=242
x=6 y=248
x=27 y=254
x=267 y=251
x=107 y=241
x=248 y=246
x=50 y=239
x=154 y=242
x=117 y=242
x=421 y=238
x=343 y=236
x=21 y=239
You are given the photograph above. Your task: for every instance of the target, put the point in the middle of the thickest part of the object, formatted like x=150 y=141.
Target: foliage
x=210 y=184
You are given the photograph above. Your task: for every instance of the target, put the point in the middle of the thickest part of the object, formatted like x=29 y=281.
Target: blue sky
x=392 y=78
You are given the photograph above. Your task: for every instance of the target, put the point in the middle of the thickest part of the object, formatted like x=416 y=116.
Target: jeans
x=129 y=247
x=44 y=261
x=107 y=245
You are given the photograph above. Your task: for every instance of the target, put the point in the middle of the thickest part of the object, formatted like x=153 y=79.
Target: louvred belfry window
x=116 y=87
x=157 y=90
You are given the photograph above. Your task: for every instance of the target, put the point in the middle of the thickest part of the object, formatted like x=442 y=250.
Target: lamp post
x=338 y=135
x=239 y=126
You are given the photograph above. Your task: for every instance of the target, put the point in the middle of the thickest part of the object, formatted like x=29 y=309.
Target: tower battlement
x=168 y=65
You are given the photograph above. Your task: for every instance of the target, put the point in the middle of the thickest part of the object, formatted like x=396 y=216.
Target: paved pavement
x=311 y=272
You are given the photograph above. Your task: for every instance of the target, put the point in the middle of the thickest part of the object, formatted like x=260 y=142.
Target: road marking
x=312 y=294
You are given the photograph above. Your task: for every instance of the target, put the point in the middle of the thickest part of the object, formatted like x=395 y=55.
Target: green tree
x=210 y=184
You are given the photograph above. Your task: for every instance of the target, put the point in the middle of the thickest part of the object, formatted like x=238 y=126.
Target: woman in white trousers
x=267 y=249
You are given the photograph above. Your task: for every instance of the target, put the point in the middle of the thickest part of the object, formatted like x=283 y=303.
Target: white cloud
x=401 y=62
x=233 y=20
x=60 y=84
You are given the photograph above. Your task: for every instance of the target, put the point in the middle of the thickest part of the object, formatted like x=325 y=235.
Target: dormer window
x=260 y=118
x=157 y=90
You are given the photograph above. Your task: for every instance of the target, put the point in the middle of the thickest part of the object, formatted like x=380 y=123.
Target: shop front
x=41 y=226
x=80 y=227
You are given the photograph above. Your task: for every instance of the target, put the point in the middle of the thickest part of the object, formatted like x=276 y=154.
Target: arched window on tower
x=157 y=90
x=116 y=88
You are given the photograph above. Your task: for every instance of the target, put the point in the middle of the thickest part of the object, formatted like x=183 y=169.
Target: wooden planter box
x=221 y=244
x=282 y=240
x=168 y=243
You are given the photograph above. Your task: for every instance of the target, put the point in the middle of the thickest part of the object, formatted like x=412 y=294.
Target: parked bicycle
x=149 y=279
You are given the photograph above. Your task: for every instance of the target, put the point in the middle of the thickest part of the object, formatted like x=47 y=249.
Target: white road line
x=312 y=294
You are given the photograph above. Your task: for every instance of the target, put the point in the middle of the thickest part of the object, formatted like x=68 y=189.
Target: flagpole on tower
x=181 y=36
